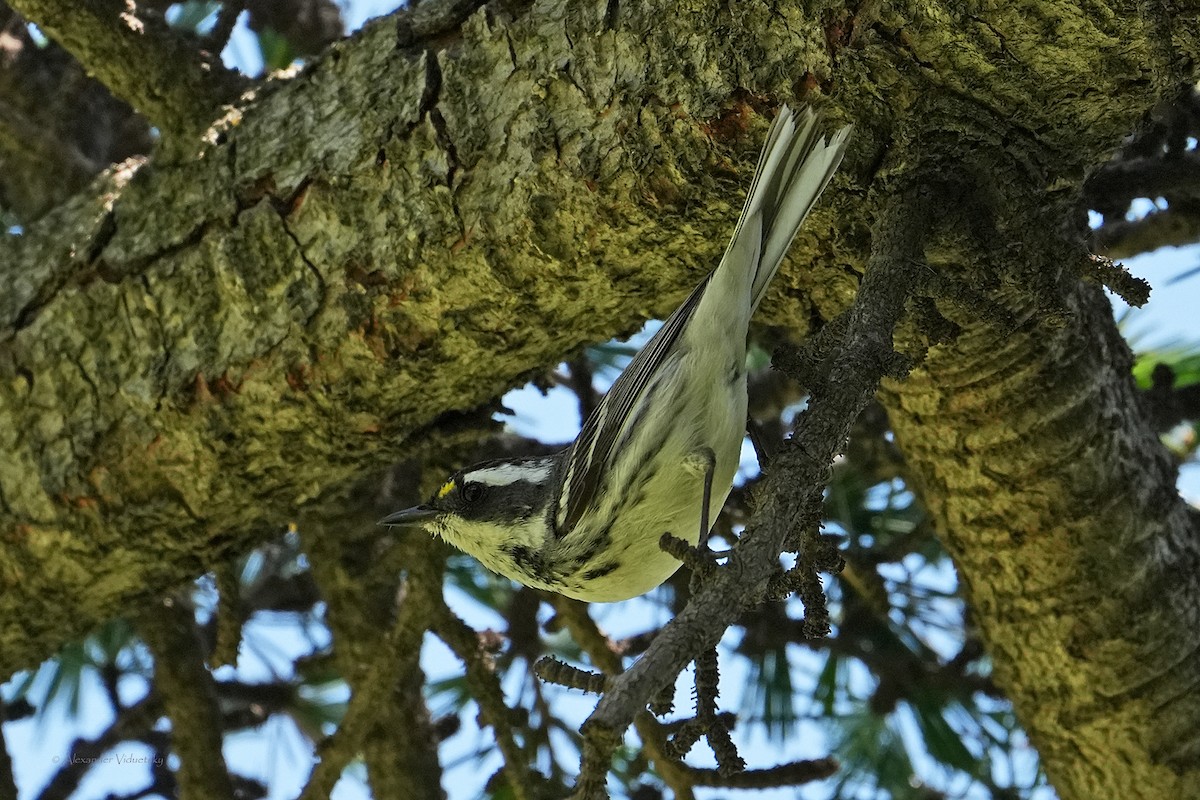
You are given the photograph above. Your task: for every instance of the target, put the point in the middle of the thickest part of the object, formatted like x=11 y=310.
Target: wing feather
x=593 y=449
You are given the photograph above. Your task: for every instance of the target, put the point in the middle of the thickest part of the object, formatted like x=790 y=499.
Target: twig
x=653 y=733
x=485 y=688
x=227 y=19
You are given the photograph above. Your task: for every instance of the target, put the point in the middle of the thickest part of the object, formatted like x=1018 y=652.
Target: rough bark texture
x=141 y=60
x=58 y=127
x=190 y=351
x=194 y=350
x=1078 y=560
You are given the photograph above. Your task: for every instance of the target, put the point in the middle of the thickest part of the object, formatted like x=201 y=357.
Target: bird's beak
x=410 y=516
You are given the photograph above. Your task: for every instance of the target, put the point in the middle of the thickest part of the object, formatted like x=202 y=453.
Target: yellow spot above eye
x=446 y=489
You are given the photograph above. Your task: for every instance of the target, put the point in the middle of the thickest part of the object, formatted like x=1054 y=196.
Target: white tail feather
x=794 y=168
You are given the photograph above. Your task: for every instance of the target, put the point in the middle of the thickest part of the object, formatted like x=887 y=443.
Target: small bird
x=659 y=453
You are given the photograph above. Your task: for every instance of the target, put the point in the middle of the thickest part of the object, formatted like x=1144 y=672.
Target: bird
x=659 y=452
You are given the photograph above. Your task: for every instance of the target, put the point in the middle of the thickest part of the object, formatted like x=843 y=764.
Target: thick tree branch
x=145 y=63
x=195 y=349
x=242 y=355
x=58 y=127
x=1042 y=471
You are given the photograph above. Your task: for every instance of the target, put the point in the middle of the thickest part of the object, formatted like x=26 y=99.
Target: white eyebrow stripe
x=506 y=474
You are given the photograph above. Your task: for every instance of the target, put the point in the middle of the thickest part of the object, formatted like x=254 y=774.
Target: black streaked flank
x=601 y=571
x=531 y=562
x=596 y=544
x=584 y=522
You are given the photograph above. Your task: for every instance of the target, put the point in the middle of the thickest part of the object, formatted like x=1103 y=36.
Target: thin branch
x=792 y=490
x=131 y=723
x=793 y=773
x=551 y=670
x=1171 y=227
x=604 y=654
x=387 y=722
x=680 y=777
x=1116 y=183
x=227 y=19
x=485 y=688
x=141 y=60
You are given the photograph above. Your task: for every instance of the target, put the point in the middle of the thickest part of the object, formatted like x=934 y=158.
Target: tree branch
x=1114 y=185
x=189 y=698
x=386 y=722
x=1171 y=227
x=486 y=689
x=132 y=722
x=1040 y=467
x=58 y=127
x=190 y=352
x=142 y=61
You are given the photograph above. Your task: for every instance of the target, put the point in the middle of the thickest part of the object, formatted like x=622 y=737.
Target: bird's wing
x=592 y=452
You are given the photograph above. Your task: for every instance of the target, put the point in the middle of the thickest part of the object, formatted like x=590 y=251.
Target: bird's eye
x=472 y=492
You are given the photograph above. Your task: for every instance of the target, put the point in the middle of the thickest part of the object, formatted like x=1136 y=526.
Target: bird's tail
x=794 y=168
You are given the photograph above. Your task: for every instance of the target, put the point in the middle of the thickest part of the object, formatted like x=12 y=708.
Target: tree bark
x=178 y=87
x=195 y=350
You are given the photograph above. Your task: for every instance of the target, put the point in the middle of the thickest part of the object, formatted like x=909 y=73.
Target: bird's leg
x=697 y=558
x=705 y=503
x=761 y=450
